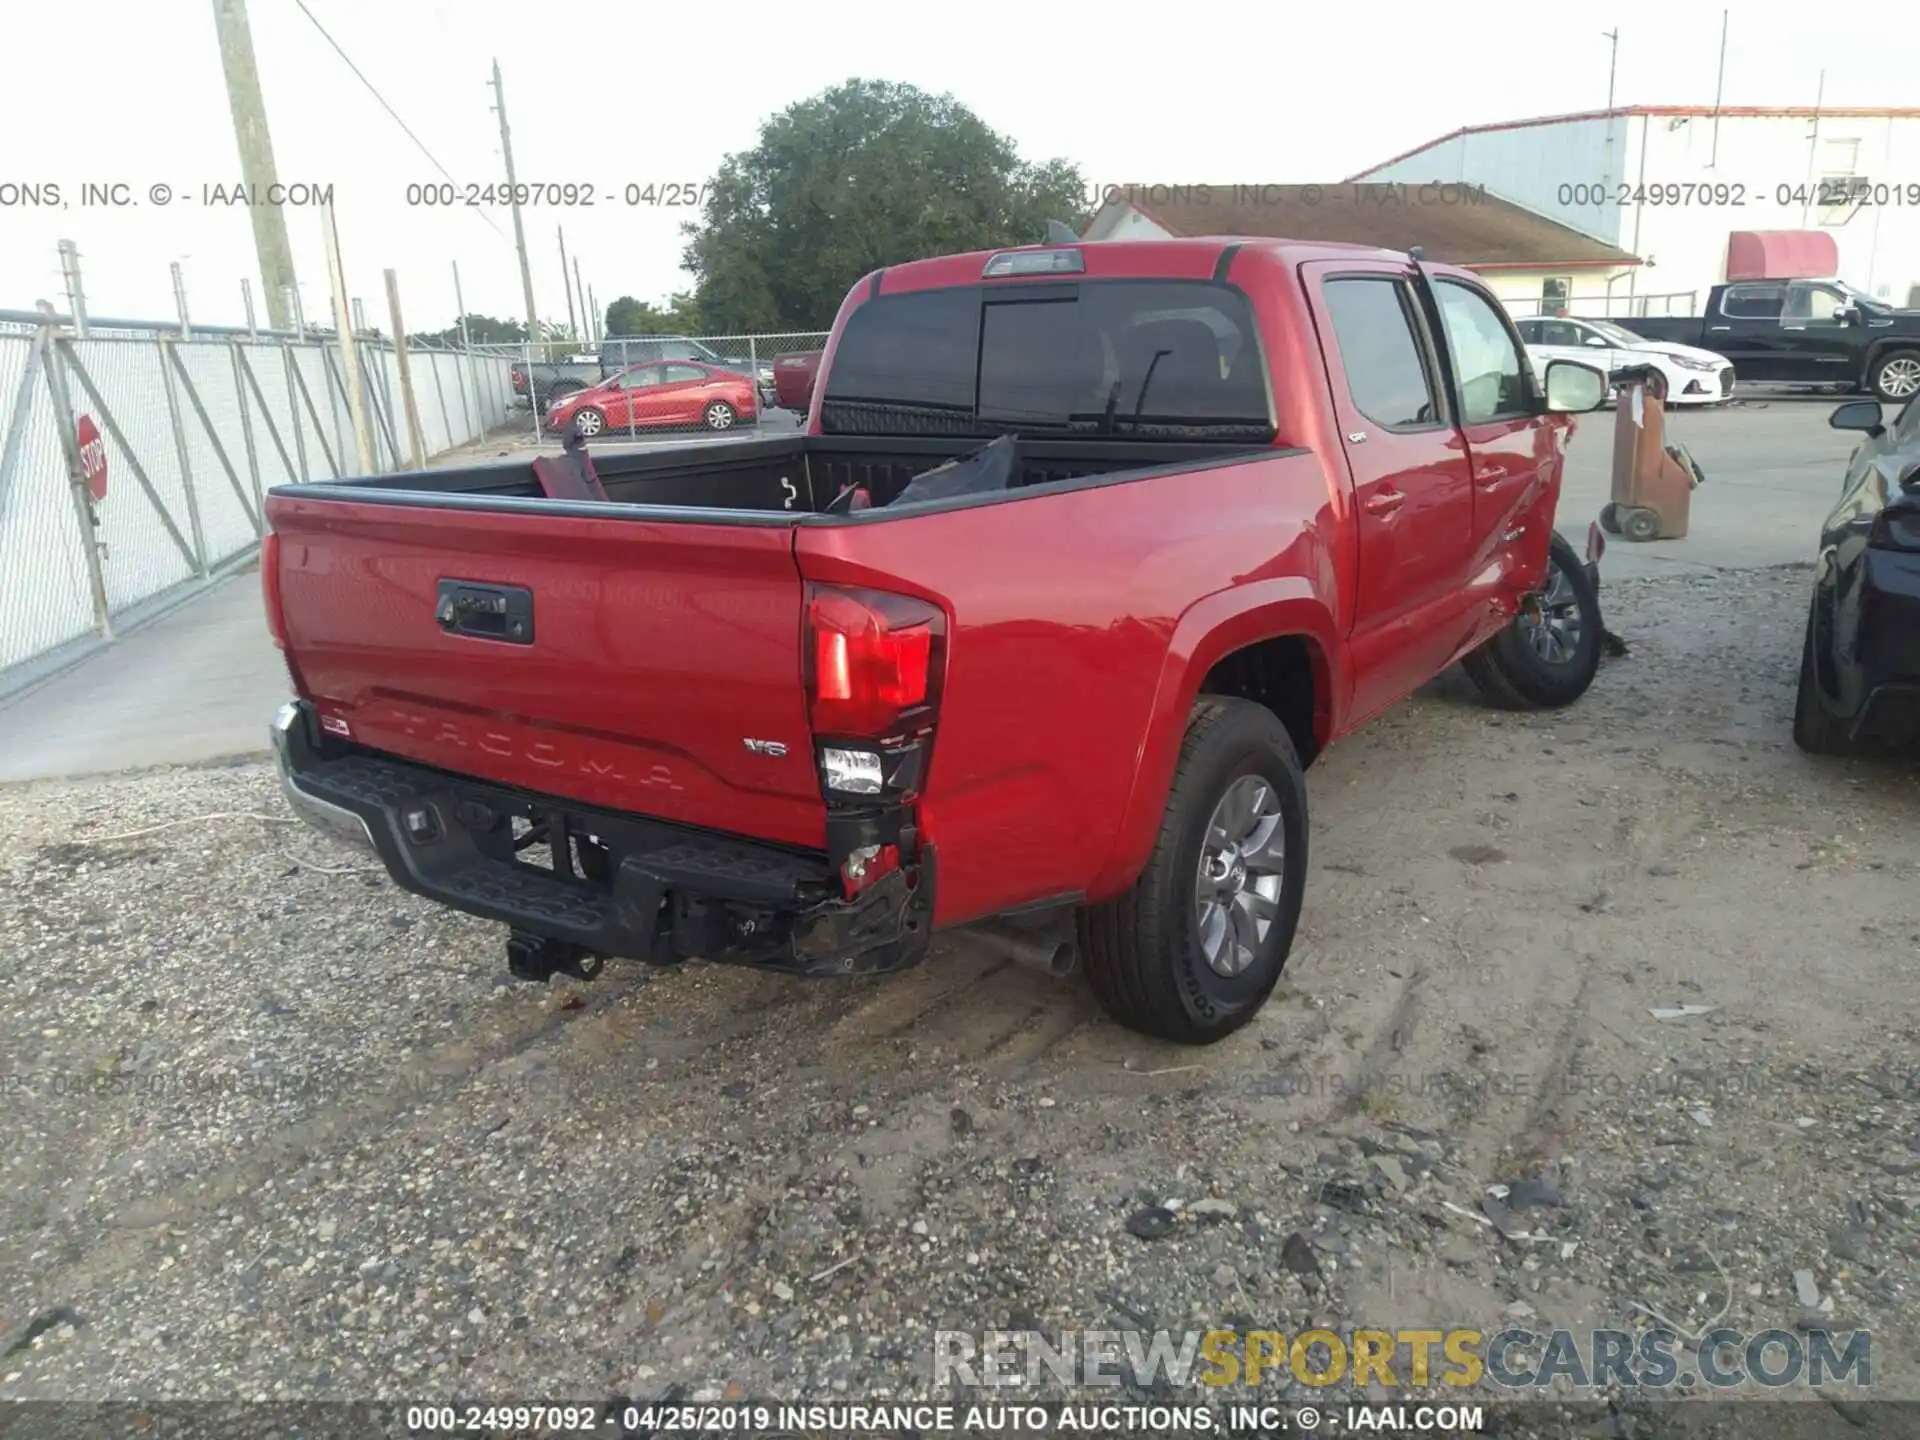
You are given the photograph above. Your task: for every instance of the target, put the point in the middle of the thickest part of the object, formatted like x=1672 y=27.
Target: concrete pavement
x=1773 y=471
x=201 y=682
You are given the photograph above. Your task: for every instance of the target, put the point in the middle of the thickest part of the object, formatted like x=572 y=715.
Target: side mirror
x=1573 y=388
x=1596 y=341
x=1862 y=415
x=1842 y=314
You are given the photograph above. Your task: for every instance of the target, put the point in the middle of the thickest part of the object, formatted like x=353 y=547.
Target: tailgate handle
x=485 y=612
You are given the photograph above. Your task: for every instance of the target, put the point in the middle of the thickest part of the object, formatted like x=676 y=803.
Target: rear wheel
x=1610 y=518
x=1816 y=730
x=1193 y=949
x=719 y=416
x=1546 y=659
x=1640 y=525
x=1895 y=377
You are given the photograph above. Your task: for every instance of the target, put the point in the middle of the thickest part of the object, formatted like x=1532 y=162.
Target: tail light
x=270 y=588
x=519 y=378
x=874 y=667
x=1895 y=528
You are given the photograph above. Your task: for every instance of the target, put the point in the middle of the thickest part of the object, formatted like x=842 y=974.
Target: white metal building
x=1669 y=183
x=1519 y=254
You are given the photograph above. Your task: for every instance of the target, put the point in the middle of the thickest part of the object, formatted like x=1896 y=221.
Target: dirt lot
x=275 y=1128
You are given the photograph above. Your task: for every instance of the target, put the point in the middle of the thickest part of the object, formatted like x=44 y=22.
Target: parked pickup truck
x=793 y=377
x=1804 y=332
x=1085 y=554
x=540 y=382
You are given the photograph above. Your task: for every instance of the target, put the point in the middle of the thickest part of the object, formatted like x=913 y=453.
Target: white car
x=1694 y=376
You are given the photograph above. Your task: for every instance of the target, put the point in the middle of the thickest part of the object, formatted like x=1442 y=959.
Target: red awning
x=1781 y=255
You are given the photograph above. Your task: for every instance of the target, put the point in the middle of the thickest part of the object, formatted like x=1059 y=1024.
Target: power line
x=373 y=91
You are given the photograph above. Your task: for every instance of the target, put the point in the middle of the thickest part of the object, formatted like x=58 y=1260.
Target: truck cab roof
x=1197 y=258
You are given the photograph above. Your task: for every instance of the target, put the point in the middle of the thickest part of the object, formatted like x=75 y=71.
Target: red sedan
x=673 y=392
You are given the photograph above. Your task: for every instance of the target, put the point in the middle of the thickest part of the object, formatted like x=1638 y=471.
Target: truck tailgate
x=651 y=655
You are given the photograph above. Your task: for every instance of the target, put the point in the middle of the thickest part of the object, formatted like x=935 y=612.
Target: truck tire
x=1895 y=376
x=1545 y=664
x=1182 y=955
x=1816 y=730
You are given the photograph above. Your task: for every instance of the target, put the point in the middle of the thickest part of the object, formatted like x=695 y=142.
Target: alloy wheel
x=1900 y=378
x=1554 y=632
x=1240 y=876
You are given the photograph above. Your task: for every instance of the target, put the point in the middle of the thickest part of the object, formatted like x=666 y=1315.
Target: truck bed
x=770 y=479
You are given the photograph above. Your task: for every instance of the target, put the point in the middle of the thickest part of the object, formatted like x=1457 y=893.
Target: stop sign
x=93 y=456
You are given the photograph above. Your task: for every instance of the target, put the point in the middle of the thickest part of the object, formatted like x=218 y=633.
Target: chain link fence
x=1608 y=307
x=134 y=459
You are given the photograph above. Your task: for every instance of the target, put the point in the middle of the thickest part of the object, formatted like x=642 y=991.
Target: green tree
x=863 y=175
x=483 y=329
x=628 y=316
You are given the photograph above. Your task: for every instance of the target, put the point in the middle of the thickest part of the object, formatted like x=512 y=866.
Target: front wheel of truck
x=1547 y=657
x=1193 y=949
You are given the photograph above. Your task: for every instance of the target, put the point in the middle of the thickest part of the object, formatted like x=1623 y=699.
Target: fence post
x=440 y=393
x=76 y=293
x=466 y=411
x=293 y=408
x=77 y=482
x=180 y=301
x=246 y=433
x=186 y=467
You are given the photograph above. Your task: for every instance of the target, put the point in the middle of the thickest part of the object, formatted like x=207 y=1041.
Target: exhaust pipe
x=1050 y=952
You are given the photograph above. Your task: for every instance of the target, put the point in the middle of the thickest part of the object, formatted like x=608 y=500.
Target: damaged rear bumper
x=613 y=883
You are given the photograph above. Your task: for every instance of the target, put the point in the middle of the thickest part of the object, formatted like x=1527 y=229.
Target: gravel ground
x=276 y=1128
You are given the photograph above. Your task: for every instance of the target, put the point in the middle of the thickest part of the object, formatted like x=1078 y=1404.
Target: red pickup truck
x=1084 y=555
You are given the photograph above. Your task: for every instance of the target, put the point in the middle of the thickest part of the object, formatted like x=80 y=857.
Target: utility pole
x=1613 y=65
x=1813 y=145
x=1719 y=89
x=415 y=445
x=256 y=156
x=566 y=283
x=349 y=356
x=513 y=200
x=588 y=320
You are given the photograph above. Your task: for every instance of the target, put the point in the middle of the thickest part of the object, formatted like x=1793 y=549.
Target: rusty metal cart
x=1653 y=482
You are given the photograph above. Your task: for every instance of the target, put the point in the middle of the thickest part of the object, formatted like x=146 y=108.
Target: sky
x=603 y=97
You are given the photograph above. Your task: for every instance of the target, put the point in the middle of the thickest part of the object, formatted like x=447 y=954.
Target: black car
x=1860 y=668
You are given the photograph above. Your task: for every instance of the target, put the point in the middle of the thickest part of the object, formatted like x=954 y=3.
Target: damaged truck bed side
x=798 y=702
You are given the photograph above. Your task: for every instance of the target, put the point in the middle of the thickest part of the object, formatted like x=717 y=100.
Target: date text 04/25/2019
x=1717 y=194
x=568 y=193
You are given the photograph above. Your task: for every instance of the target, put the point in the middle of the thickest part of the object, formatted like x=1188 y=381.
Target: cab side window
x=1380 y=352
x=1488 y=367
x=1752 y=302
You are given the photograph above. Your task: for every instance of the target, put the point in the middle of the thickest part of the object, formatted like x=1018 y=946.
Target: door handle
x=1385 y=503
x=1720 y=327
